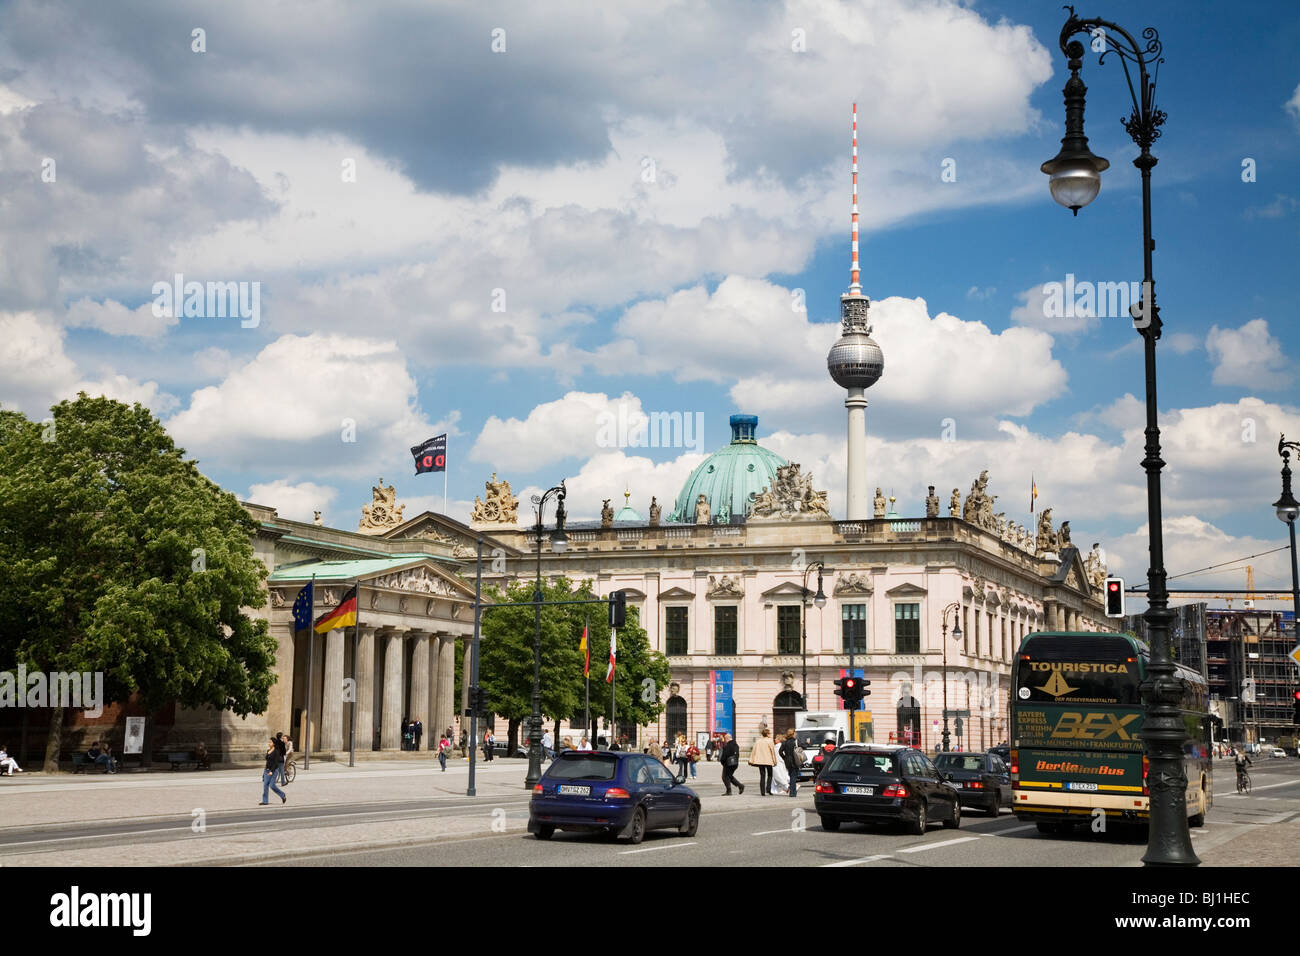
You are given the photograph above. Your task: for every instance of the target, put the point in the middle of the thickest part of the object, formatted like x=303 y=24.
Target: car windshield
x=959 y=762
x=587 y=766
x=813 y=739
x=863 y=764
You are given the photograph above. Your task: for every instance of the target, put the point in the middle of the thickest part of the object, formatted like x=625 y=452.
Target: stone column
x=390 y=723
x=420 y=685
x=331 y=726
x=365 y=706
x=446 y=681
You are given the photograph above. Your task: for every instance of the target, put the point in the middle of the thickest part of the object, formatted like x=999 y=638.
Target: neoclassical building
x=720 y=590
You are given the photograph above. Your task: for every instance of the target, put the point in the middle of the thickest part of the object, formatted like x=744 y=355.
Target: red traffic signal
x=1114 y=597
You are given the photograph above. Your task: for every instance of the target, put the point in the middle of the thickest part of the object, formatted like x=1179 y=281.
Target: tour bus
x=1076 y=716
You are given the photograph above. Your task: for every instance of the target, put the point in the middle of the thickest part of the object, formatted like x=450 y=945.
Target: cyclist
x=1241 y=760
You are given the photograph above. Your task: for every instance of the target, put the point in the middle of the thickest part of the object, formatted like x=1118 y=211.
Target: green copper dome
x=627 y=512
x=730 y=477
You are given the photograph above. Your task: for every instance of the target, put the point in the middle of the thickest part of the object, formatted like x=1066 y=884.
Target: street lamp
x=954 y=607
x=1288 y=509
x=559 y=543
x=1075 y=181
x=820 y=601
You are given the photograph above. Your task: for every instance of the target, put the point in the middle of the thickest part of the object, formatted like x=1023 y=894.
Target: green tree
x=506 y=661
x=117 y=556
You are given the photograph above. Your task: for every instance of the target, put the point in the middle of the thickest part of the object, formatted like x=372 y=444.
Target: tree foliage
x=118 y=556
x=506 y=657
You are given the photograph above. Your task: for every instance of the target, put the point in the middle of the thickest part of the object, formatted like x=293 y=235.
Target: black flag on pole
x=431 y=455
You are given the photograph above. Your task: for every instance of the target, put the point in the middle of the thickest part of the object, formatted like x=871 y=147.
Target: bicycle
x=290 y=771
x=1243 y=781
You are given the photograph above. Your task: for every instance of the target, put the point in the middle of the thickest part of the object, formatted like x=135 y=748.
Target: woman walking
x=763 y=756
x=444 y=745
x=790 y=757
x=681 y=754
x=274 y=760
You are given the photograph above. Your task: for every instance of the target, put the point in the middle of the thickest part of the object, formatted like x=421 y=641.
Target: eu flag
x=302 y=609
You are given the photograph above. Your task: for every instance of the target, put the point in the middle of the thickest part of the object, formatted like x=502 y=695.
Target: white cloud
x=298 y=501
x=1292 y=105
x=1248 y=356
x=572 y=426
x=316 y=404
x=608 y=475
x=1042 y=308
x=114 y=318
x=34 y=370
x=1192 y=543
x=129 y=391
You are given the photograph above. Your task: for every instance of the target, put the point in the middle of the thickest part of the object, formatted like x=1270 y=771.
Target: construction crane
x=1248 y=601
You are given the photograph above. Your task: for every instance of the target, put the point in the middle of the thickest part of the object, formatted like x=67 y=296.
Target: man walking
x=548 y=746
x=419 y=732
x=730 y=758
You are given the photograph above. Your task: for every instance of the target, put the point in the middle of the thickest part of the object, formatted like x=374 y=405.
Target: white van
x=812 y=729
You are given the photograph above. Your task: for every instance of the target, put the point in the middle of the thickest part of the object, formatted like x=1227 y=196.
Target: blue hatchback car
x=624 y=794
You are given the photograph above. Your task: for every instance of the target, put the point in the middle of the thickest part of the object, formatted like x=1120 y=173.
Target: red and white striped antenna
x=855 y=285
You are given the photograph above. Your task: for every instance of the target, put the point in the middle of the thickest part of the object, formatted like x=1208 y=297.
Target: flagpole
x=613 y=685
x=586 y=668
x=311 y=659
x=444 y=483
x=352 y=724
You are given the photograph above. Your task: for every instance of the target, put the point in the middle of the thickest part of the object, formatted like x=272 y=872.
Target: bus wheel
x=1198 y=819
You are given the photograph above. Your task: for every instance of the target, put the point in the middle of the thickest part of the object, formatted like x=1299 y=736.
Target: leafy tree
x=118 y=556
x=506 y=661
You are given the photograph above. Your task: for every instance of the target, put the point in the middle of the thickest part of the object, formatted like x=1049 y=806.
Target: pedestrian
x=288 y=749
x=763 y=756
x=710 y=747
x=681 y=754
x=489 y=742
x=693 y=755
x=780 y=777
x=584 y=744
x=274 y=760
x=444 y=745
x=548 y=746
x=98 y=754
x=790 y=758
x=419 y=732
x=283 y=750
x=464 y=742
x=406 y=733
x=666 y=754
x=201 y=756
x=730 y=758
x=8 y=765
x=565 y=744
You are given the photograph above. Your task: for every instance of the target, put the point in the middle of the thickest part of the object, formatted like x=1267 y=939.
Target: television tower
x=856 y=363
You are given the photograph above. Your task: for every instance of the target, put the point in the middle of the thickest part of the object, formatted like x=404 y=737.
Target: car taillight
x=617 y=793
x=1015 y=763
x=1146 y=765
x=975 y=785
x=825 y=787
x=895 y=790
x=537 y=789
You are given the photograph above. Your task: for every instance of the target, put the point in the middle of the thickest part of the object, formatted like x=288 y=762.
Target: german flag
x=345 y=615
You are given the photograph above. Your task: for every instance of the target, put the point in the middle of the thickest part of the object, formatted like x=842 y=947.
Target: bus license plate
x=572 y=791
x=859 y=791
x=1081 y=786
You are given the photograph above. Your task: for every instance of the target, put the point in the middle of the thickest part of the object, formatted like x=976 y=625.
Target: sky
x=514 y=224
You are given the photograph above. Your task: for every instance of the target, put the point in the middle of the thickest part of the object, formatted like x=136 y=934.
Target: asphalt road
x=785 y=832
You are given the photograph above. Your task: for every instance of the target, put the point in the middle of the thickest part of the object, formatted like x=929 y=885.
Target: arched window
x=909 y=721
x=675 y=717
x=785 y=709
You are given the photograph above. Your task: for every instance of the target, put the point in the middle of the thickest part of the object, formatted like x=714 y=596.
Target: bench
x=81 y=763
x=178 y=758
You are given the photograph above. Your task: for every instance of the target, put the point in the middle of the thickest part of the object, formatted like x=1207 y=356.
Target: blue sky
x=648 y=189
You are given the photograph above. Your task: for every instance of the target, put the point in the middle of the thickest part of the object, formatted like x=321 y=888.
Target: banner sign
x=431 y=455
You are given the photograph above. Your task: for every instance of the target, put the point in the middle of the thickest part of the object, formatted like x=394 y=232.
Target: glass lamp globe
x=1074 y=184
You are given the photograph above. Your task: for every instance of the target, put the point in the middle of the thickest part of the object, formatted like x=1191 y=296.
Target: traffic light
x=1295 y=706
x=479 y=702
x=1114 y=597
x=617 y=609
x=851 y=690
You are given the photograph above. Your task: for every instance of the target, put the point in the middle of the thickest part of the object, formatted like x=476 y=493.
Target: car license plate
x=569 y=790
x=1081 y=786
x=859 y=791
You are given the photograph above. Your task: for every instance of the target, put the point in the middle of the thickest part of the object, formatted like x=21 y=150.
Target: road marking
x=651 y=849
x=865 y=859
x=789 y=829
x=935 y=846
x=1027 y=826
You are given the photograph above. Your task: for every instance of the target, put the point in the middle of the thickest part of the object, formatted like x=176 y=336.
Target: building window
x=676 y=622
x=724 y=630
x=965 y=631
x=907 y=628
x=853 y=622
x=1004 y=638
x=675 y=714
x=977 y=632
x=787 y=628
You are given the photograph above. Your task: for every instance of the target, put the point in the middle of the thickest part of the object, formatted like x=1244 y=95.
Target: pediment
x=786 y=589
x=676 y=594
x=462 y=539
x=907 y=589
x=633 y=595
x=419 y=578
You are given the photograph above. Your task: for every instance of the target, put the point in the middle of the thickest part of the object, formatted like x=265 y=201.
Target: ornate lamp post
x=1075 y=181
x=954 y=607
x=1288 y=509
x=820 y=601
x=559 y=542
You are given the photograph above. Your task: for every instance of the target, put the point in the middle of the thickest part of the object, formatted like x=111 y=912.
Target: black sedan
x=623 y=794
x=982 y=779
x=870 y=783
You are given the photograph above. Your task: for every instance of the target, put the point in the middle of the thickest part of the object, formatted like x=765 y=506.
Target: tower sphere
x=855 y=361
